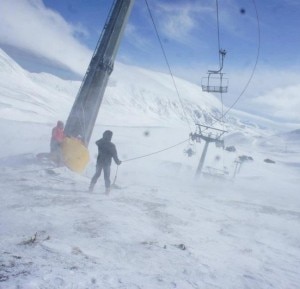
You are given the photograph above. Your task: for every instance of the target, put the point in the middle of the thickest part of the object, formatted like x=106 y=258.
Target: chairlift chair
x=190 y=151
x=215 y=81
x=217 y=84
x=191 y=148
x=195 y=137
x=220 y=143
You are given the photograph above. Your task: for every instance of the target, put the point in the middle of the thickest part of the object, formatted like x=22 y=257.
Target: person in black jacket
x=106 y=151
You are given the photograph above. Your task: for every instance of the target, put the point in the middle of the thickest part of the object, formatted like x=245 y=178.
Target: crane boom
x=84 y=112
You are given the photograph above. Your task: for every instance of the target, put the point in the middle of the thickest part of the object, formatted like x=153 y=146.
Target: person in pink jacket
x=56 y=141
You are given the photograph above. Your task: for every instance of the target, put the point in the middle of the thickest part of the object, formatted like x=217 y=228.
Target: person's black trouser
x=55 y=152
x=106 y=172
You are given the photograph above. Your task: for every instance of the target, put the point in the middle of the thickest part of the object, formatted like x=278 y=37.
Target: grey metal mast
x=85 y=109
x=209 y=137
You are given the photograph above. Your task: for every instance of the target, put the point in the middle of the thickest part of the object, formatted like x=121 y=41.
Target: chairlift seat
x=215 y=173
x=214 y=84
x=195 y=137
x=219 y=89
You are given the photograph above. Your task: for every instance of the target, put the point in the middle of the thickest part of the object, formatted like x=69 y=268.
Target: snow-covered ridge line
x=134 y=97
x=145 y=96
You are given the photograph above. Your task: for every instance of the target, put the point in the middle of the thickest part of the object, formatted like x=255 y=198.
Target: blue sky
x=188 y=30
x=66 y=32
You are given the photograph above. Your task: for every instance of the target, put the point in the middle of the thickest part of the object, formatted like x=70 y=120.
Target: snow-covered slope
x=163 y=228
x=145 y=97
x=133 y=89
x=31 y=97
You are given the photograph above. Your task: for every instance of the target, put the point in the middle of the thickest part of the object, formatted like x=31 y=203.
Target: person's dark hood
x=107 y=135
x=60 y=124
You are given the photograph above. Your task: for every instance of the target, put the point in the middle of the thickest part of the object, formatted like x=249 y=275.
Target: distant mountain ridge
x=144 y=95
x=134 y=97
x=37 y=64
x=293 y=135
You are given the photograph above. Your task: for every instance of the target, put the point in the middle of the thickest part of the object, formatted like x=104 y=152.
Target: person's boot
x=107 y=191
x=91 y=187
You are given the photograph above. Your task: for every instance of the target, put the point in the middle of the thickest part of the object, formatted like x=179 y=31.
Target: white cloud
x=185 y=20
x=281 y=103
x=178 y=20
x=29 y=25
x=272 y=93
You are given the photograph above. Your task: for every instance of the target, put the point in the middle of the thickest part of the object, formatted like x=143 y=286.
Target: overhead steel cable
x=168 y=65
x=256 y=59
x=253 y=69
x=220 y=56
x=147 y=155
x=221 y=65
x=218 y=29
x=216 y=120
x=156 y=152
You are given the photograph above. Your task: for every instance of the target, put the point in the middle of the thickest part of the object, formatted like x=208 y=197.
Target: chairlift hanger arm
x=208 y=138
x=222 y=53
x=216 y=87
x=210 y=127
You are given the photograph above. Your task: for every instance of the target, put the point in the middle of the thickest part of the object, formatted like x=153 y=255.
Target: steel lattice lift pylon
x=209 y=135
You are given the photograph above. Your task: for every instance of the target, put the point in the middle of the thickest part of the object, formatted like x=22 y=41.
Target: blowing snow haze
x=161 y=228
x=235 y=227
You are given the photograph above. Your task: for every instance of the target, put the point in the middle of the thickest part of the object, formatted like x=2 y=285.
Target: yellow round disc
x=75 y=154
